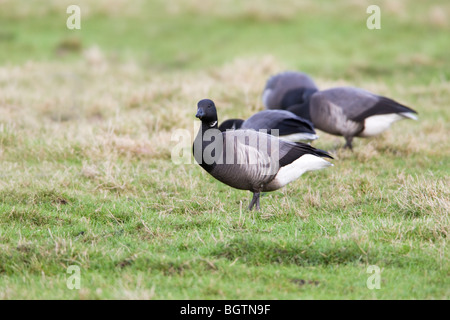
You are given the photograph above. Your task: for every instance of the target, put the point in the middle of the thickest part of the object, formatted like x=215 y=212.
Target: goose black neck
x=206 y=135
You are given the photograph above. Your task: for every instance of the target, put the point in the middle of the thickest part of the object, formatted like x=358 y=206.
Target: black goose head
x=298 y=96
x=297 y=101
x=206 y=112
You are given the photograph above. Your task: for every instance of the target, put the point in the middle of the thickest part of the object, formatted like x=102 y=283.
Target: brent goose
x=282 y=123
x=352 y=112
x=249 y=159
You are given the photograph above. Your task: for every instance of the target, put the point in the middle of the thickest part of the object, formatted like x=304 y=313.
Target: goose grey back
x=284 y=121
x=281 y=123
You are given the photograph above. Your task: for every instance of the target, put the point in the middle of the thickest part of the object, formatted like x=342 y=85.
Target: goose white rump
x=293 y=171
x=375 y=125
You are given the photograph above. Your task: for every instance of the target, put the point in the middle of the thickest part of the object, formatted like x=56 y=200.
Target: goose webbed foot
x=255 y=201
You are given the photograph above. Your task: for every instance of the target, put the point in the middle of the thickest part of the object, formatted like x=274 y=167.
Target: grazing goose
x=287 y=125
x=352 y=112
x=251 y=160
x=287 y=88
x=232 y=124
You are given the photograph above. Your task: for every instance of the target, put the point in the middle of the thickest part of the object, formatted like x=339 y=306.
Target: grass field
x=87 y=119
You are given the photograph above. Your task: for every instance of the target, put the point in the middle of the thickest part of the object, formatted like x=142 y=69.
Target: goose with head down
x=281 y=123
x=352 y=112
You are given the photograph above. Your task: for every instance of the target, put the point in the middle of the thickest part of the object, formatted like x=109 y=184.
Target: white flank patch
x=303 y=164
x=265 y=96
x=375 y=125
x=296 y=137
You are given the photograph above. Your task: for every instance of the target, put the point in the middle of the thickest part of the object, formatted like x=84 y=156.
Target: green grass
x=86 y=176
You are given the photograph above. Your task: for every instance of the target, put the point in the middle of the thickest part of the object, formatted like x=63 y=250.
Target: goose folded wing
x=261 y=154
x=250 y=153
x=358 y=104
x=289 y=152
x=383 y=106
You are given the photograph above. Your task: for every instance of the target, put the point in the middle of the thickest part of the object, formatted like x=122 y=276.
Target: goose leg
x=348 y=143
x=255 y=200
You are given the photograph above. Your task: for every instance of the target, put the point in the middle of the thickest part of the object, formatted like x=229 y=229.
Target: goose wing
x=289 y=152
x=248 y=159
x=284 y=121
x=358 y=104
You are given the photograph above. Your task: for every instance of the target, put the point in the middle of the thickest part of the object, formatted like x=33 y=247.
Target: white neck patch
x=212 y=124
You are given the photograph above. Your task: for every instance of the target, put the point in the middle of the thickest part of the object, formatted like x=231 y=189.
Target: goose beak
x=200 y=113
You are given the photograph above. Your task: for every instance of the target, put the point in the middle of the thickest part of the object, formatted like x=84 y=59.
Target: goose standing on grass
x=280 y=123
x=251 y=160
x=352 y=112
x=287 y=88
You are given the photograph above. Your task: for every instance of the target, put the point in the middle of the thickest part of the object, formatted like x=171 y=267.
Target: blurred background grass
x=323 y=38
